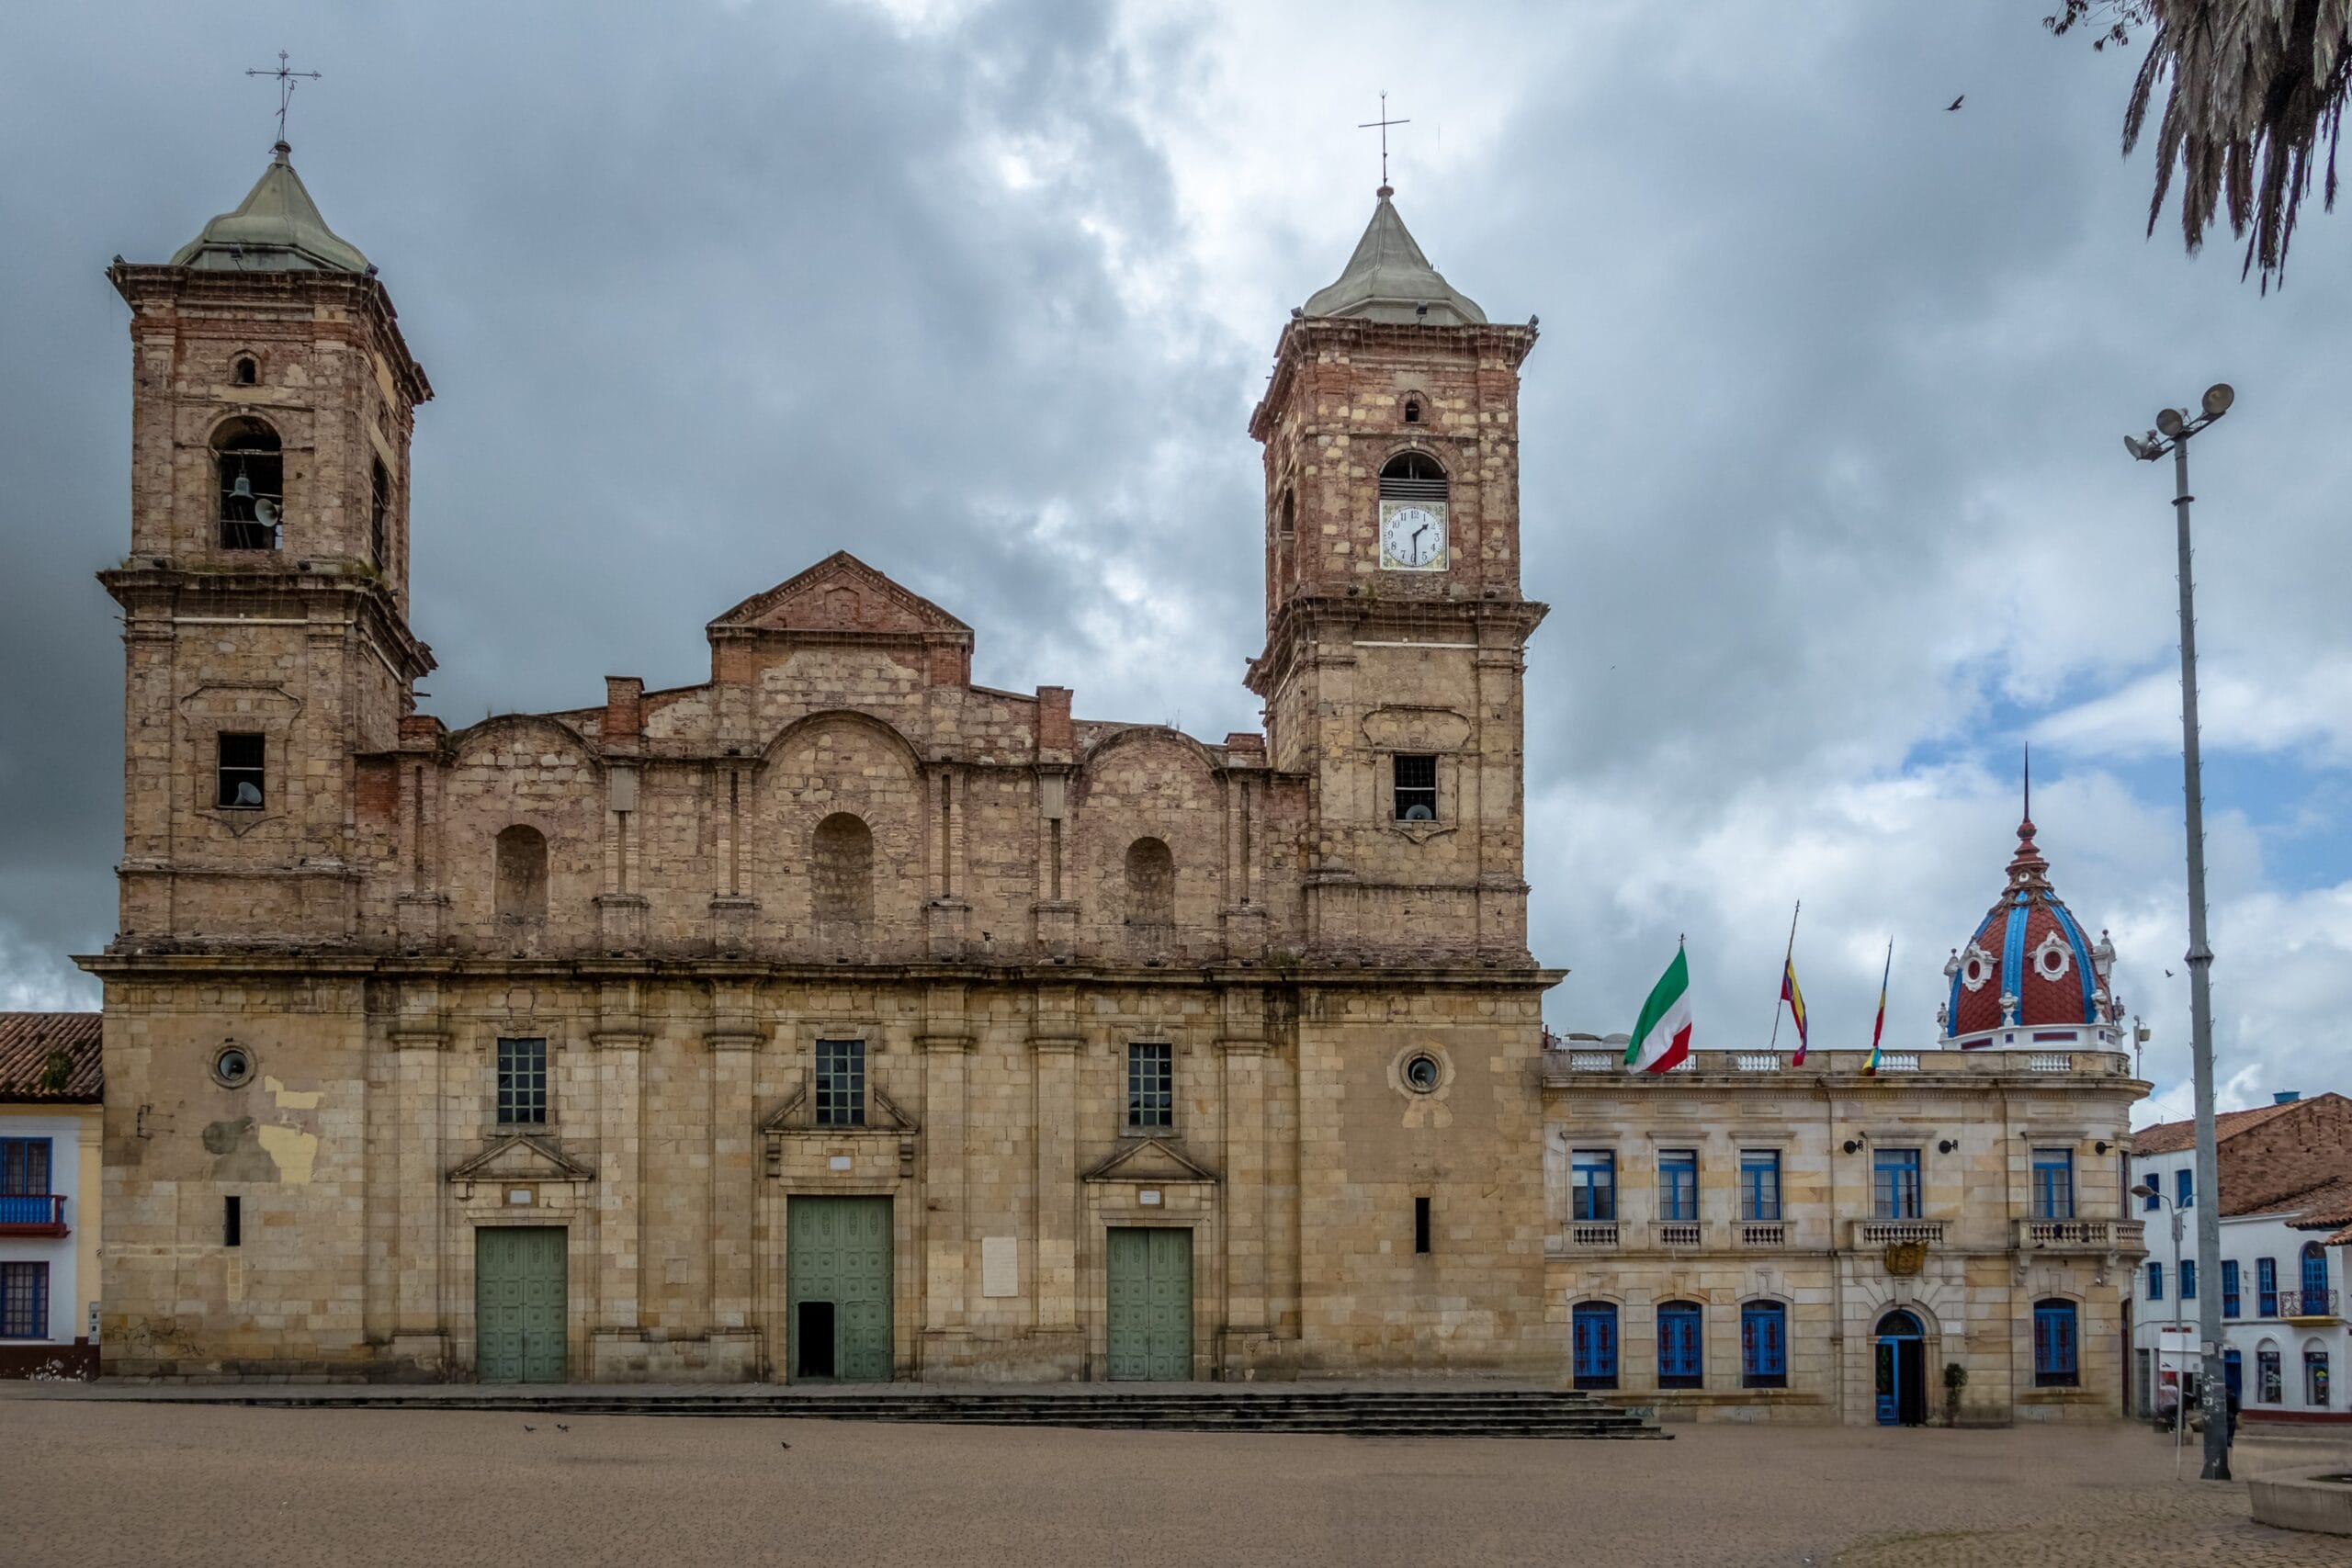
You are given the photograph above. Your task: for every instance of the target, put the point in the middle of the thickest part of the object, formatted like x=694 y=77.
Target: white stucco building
x=50 y=1094
x=2286 y=1196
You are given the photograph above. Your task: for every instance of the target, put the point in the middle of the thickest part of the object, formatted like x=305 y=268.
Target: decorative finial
x=1383 y=122
x=286 y=79
x=2028 y=787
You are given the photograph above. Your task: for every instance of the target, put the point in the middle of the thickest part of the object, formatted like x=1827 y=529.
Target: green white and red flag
x=1662 y=1039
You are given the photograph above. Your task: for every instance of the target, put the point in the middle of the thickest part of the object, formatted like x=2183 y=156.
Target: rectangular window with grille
x=239 y=781
x=2055 y=1363
x=1760 y=1184
x=2269 y=1384
x=24 y=1301
x=24 y=1168
x=1416 y=791
x=841 y=1083
x=1151 y=1087
x=1764 y=1345
x=2155 y=1281
x=522 y=1083
x=2230 y=1301
x=2188 y=1278
x=2266 y=1287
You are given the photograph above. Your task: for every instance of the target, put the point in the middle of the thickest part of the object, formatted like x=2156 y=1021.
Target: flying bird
x=1955 y=103
x=2167 y=974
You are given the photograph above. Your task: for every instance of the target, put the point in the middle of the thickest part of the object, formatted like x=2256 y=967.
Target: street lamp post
x=2172 y=435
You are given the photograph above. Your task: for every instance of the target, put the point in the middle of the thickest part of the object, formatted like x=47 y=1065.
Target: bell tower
x=265 y=598
x=1395 y=632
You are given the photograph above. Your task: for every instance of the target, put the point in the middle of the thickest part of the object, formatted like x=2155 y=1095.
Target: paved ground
x=115 y=1482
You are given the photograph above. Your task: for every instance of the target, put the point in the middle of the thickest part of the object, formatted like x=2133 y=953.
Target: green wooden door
x=1151 y=1281
x=837 y=1290
x=518 y=1304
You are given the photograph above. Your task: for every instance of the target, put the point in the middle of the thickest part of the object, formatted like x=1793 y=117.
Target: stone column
x=620 y=1039
x=420 y=1194
x=734 y=1038
x=1242 y=1055
x=947 y=1047
x=1055 y=1047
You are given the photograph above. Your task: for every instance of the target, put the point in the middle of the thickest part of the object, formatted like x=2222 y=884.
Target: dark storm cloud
x=1820 y=470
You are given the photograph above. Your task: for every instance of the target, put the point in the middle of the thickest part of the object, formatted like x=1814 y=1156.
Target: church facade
x=837 y=1017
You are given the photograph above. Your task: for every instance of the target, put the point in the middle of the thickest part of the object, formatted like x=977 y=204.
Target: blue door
x=1678 y=1364
x=1595 y=1342
x=2314 y=1280
x=1901 y=1368
x=2233 y=1374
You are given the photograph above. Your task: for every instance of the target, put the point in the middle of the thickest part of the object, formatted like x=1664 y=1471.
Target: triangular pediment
x=840 y=594
x=521 y=1157
x=1149 y=1160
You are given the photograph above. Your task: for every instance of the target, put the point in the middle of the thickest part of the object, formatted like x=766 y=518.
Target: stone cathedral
x=835 y=1018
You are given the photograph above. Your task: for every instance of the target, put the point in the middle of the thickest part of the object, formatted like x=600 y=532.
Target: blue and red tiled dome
x=2029 y=977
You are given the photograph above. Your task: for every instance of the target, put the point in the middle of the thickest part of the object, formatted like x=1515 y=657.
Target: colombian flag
x=1793 y=995
x=1869 y=1068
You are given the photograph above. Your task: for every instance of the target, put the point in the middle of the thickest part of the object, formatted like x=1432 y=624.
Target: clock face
x=1412 y=536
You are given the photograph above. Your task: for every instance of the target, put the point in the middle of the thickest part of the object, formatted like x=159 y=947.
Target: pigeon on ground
x=1955 y=103
x=529 y=1427
x=562 y=1428
x=783 y=1445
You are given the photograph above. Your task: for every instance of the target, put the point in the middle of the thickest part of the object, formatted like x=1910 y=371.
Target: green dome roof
x=275 y=228
x=1388 y=279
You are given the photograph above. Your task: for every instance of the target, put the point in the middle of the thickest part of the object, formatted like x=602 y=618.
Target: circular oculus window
x=1422 y=1074
x=232 y=1066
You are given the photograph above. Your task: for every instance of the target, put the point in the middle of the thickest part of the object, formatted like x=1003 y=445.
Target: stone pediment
x=1149 y=1160
x=521 y=1157
x=798 y=1115
x=841 y=594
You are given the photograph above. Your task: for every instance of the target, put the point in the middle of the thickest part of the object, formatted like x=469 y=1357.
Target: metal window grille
x=841 y=1083
x=2315 y=1379
x=1764 y=1345
x=2054 y=1362
x=1595 y=1342
x=2053 y=1184
x=24 y=1301
x=24 y=1168
x=239 y=778
x=2269 y=1381
x=1416 y=791
x=2230 y=1300
x=1677 y=1186
x=1593 y=1188
x=1678 y=1364
x=522 y=1083
x=1151 y=1086
x=1895 y=1184
x=2266 y=1287
x=1759 y=1185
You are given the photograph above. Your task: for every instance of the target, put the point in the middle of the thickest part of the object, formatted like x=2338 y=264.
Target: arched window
x=1763 y=1345
x=2055 y=1338
x=841 y=869
x=2315 y=1302
x=2269 y=1379
x=380 y=511
x=244 y=372
x=1594 y=1336
x=1680 y=1358
x=1412 y=410
x=253 y=490
x=1412 y=476
x=1286 y=515
x=522 y=879
x=1898 y=1324
x=1151 y=883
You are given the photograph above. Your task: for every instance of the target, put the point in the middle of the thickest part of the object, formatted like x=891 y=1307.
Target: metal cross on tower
x=286 y=80
x=1383 y=122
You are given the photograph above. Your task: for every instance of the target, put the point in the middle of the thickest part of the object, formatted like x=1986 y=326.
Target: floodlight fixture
x=2170 y=421
x=2217 y=399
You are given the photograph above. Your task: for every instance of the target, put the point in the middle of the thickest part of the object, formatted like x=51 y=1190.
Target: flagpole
x=1786 y=959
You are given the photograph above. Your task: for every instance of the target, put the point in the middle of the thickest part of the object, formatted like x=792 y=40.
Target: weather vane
x=286 y=79
x=1383 y=122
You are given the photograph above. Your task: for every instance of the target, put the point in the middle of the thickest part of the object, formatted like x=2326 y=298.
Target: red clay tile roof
x=2171 y=1137
x=29 y=1040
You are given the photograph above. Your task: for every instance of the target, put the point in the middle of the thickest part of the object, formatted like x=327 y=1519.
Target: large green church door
x=837 y=1290
x=518 y=1304
x=1150 y=1271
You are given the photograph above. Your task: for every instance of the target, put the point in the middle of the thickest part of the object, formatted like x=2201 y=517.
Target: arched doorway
x=1901 y=1361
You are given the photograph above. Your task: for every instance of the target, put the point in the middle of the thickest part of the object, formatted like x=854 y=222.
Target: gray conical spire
x=275 y=228
x=1388 y=279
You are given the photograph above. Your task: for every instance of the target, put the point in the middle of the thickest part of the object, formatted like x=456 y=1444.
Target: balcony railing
x=2307 y=1306
x=1763 y=1233
x=1593 y=1233
x=1894 y=1233
x=1678 y=1232
x=32 y=1214
x=1579 y=1055
x=2080 y=1235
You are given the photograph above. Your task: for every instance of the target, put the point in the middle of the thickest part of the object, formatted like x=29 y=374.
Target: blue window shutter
x=2155 y=1281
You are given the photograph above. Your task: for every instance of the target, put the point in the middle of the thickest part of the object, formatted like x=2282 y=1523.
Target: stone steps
x=1433 y=1413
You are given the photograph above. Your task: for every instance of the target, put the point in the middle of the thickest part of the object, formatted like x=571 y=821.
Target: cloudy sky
x=1822 y=476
